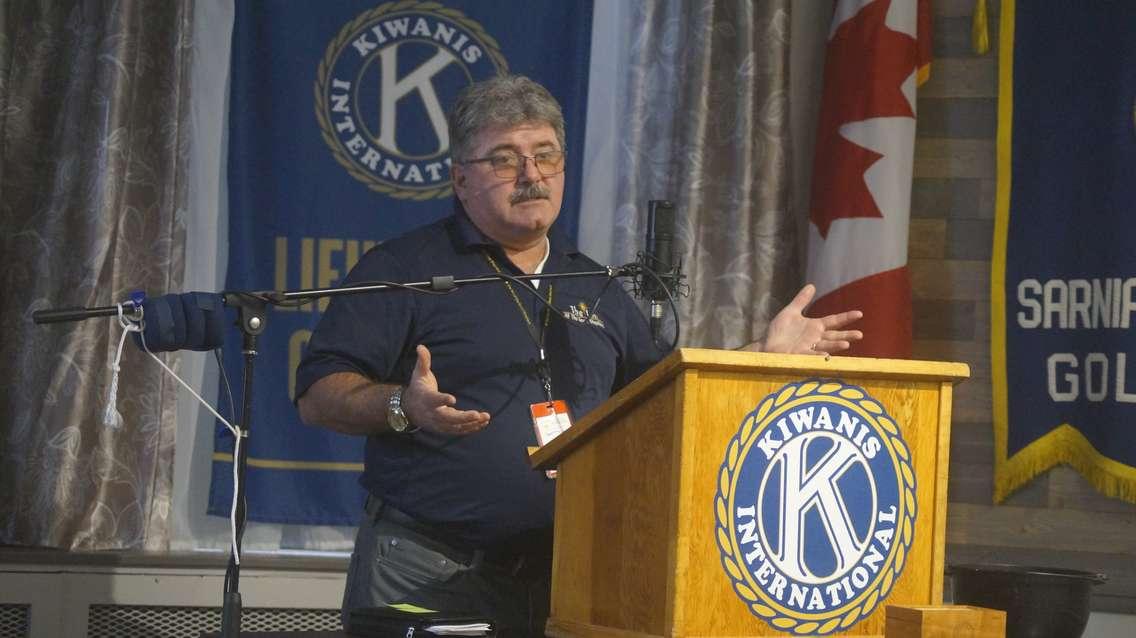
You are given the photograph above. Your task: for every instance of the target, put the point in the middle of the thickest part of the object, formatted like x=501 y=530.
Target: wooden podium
x=637 y=539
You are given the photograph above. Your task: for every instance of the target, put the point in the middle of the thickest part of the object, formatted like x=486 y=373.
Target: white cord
x=232 y=428
x=132 y=324
x=233 y=510
x=112 y=418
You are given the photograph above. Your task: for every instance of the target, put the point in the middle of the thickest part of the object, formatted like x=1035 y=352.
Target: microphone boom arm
x=436 y=285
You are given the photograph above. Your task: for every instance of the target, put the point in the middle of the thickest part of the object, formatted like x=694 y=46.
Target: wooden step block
x=944 y=621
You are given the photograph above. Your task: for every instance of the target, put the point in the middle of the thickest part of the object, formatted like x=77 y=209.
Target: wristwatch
x=396 y=418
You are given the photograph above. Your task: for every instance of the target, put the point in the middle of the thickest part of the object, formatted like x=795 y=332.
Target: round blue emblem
x=815 y=507
x=381 y=87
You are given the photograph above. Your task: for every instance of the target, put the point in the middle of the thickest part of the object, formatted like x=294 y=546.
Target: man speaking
x=442 y=385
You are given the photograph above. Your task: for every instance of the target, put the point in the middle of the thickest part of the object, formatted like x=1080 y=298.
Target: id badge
x=550 y=420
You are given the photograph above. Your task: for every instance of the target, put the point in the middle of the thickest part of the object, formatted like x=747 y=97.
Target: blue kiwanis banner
x=1064 y=270
x=337 y=141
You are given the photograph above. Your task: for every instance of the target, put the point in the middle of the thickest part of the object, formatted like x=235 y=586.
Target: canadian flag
x=878 y=52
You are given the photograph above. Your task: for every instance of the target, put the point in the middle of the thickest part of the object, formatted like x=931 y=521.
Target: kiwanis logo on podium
x=380 y=89
x=815 y=507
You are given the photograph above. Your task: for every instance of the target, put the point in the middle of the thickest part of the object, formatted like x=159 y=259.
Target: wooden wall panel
x=962 y=77
x=958 y=279
x=957 y=117
x=962 y=198
x=1042 y=528
x=962 y=8
x=927 y=239
x=951 y=157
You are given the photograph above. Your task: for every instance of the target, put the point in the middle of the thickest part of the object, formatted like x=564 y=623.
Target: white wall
x=1102 y=625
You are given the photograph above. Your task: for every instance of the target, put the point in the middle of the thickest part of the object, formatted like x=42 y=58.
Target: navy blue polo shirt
x=479 y=486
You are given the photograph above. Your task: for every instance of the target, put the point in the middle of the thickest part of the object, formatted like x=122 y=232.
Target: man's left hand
x=794 y=333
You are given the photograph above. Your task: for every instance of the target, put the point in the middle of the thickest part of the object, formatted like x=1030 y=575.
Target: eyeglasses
x=509 y=165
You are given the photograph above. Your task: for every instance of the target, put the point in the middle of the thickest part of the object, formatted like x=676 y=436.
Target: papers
x=468 y=629
x=408 y=619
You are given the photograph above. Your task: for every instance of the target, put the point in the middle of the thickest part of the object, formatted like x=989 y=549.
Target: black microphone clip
x=662 y=278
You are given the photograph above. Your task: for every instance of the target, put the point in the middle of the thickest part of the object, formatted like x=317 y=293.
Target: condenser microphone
x=186 y=321
x=659 y=258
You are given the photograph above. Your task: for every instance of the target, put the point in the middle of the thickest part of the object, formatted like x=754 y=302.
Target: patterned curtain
x=706 y=124
x=93 y=138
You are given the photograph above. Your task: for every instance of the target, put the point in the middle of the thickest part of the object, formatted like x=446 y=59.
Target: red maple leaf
x=865 y=66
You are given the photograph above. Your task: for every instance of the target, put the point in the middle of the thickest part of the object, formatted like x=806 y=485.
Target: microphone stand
x=252 y=319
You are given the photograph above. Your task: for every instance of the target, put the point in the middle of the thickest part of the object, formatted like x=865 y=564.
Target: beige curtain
x=93 y=137
x=705 y=122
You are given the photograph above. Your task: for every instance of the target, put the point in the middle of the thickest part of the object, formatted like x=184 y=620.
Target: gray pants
x=393 y=563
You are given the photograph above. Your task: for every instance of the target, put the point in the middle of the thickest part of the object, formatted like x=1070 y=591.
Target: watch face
x=397 y=420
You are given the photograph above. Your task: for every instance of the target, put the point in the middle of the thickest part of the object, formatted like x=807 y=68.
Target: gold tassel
x=980 y=29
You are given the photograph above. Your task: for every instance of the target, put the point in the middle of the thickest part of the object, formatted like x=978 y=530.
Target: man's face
x=515 y=212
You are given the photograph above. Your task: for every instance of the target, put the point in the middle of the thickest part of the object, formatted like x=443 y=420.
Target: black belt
x=507 y=559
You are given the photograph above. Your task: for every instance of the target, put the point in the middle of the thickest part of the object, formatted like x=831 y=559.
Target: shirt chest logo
x=580 y=314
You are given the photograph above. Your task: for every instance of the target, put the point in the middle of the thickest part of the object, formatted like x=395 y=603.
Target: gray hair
x=503 y=100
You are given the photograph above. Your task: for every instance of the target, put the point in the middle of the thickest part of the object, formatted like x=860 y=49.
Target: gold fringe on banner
x=1065 y=446
x=980 y=29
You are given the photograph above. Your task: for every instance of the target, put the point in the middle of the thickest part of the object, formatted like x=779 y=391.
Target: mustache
x=530 y=191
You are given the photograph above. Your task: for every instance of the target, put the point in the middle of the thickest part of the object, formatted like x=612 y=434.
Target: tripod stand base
x=231 y=615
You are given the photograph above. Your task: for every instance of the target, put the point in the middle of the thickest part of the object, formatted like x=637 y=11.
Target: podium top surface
x=754 y=362
x=814 y=365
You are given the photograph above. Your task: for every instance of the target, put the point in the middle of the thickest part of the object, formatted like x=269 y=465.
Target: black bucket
x=1040 y=602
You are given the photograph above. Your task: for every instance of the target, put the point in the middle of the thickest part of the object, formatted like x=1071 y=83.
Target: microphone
x=659 y=258
x=186 y=321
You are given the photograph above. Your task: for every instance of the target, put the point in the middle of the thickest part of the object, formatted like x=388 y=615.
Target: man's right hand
x=429 y=409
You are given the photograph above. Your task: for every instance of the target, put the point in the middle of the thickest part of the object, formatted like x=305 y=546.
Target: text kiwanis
x=812 y=418
x=804 y=596
x=400 y=29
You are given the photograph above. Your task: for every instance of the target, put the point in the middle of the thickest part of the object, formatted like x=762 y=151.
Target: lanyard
x=538 y=338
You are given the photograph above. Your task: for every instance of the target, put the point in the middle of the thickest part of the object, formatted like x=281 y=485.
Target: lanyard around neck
x=537 y=337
